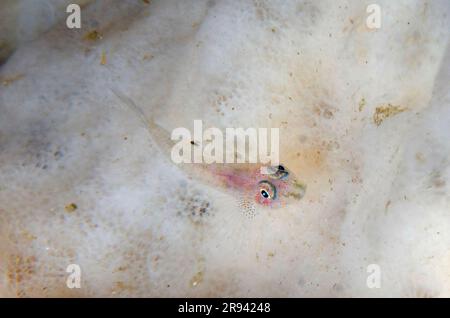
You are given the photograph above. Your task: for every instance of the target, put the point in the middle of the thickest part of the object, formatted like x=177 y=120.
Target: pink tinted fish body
x=244 y=180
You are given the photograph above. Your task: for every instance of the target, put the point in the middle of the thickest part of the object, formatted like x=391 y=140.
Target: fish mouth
x=295 y=189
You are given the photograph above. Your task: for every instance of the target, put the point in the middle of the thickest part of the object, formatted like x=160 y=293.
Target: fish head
x=277 y=187
x=273 y=186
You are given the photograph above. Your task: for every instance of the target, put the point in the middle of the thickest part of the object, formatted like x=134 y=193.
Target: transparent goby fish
x=254 y=189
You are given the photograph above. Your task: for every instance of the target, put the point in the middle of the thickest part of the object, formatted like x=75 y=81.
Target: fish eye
x=280 y=168
x=267 y=190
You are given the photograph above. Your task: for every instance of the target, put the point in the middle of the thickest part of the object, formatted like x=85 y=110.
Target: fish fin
x=162 y=138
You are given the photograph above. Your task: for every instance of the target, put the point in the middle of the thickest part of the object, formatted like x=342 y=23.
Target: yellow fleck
x=294 y=195
x=383 y=112
x=147 y=56
x=299 y=185
x=271 y=254
x=28 y=235
x=420 y=157
x=120 y=269
x=121 y=287
x=197 y=279
x=103 y=58
x=362 y=103
x=93 y=35
x=6 y=81
x=71 y=207
x=388 y=203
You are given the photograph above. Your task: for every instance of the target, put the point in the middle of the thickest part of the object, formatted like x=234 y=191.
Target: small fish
x=275 y=188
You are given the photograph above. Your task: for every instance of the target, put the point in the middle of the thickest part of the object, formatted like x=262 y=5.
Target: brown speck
x=120 y=287
x=93 y=35
x=120 y=269
x=420 y=157
x=5 y=50
x=146 y=1
x=327 y=114
x=361 y=104
x=71 y=207
x=147 y=57
x=103 y=58
x=196 y=279
x=388 y=203
x=9 y=80
x=384 y=112
x=28 y=236
x=439 y=183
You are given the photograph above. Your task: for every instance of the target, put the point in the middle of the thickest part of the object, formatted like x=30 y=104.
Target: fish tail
x=159 y=135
